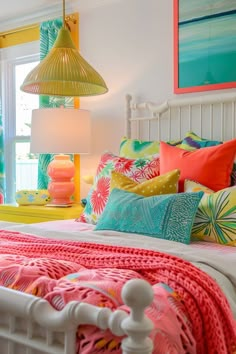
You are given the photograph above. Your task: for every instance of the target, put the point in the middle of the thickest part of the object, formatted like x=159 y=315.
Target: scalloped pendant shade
x=64 y=72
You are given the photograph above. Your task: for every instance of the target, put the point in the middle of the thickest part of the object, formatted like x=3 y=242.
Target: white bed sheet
x=216 y=260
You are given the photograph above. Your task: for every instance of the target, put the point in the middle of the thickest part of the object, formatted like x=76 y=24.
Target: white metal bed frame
x=211 y=115
x=46 y=330
x=29 y=325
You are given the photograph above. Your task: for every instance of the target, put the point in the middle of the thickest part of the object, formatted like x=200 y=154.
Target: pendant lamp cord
x=64 y=15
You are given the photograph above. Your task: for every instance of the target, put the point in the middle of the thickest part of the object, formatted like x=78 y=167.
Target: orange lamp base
x=61 y=188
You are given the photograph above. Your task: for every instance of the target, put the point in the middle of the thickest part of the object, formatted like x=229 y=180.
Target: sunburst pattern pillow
x=215 y=220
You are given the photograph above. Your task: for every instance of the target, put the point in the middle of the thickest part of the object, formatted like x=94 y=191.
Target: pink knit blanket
x=190 y=312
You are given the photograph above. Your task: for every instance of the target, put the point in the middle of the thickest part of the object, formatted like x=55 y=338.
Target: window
x=20 y=164
x=26 y=165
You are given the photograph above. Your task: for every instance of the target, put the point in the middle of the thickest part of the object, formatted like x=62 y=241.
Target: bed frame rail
x=212 y=116
x=44 y=330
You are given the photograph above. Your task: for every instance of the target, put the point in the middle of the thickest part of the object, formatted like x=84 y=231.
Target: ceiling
x=22 y=7
x=15 y=13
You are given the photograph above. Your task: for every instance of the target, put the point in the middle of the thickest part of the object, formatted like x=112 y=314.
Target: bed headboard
x=212 y=116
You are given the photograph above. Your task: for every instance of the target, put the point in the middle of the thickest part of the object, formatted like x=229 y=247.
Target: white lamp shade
x=60 y=130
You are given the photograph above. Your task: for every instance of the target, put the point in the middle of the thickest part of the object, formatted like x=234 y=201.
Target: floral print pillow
x=139 y=170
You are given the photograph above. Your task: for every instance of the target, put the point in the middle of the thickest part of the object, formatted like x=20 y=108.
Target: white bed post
x=137 y=294
x=128 y=115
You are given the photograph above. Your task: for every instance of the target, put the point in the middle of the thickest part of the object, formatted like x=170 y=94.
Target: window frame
x=10 y=58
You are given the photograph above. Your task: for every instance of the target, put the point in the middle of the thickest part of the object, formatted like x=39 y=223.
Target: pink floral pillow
x=139 y=170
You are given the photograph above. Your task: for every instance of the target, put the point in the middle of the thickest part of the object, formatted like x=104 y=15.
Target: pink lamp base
x=61 y=188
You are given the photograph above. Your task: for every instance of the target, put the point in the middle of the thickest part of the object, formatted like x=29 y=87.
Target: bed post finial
x=128 y=114
x=137 y=294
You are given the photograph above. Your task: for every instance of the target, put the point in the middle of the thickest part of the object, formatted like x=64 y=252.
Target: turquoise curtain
x=48 y=35
x=2 y=169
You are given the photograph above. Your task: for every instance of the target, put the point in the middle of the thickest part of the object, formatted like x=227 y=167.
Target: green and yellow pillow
x=215 y=220
x=192 y=141
x=134 y=148
x=164 y=184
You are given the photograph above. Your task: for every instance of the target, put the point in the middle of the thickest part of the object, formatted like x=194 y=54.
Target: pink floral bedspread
x=189 y=311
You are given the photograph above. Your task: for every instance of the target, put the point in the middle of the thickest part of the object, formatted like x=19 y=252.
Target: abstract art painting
x=204 y=45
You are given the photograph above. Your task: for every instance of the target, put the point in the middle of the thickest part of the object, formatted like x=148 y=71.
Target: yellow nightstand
x=32 y=213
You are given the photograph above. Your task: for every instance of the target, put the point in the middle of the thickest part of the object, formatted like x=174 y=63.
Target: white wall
x=130 y=43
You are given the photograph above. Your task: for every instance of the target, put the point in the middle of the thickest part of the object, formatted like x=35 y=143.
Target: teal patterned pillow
x=167 y=216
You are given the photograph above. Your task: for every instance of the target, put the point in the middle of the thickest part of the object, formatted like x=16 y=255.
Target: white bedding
x=216 y=260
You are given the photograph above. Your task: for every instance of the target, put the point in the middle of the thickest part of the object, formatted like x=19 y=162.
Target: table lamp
x=61 y=131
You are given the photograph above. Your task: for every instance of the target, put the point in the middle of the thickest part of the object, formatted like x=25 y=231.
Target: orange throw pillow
x=211 y=166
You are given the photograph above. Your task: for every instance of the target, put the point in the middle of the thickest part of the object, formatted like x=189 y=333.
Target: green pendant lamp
x=63 y=72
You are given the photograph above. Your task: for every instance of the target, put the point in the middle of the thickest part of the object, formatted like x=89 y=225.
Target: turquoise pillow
x=167 y=216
